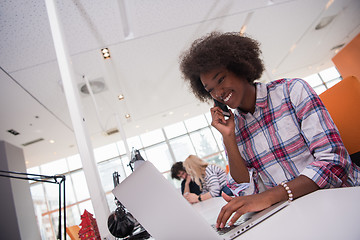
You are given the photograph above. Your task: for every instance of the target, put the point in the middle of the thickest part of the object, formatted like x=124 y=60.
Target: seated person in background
x=210 y=177
x=187 y=185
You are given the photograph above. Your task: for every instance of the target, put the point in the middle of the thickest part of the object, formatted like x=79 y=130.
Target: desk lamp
x=120 y=222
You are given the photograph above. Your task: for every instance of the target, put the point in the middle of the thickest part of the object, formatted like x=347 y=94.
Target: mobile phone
x=223 y=107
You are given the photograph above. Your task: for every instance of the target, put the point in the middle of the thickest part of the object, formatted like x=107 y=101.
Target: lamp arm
x=43 y=178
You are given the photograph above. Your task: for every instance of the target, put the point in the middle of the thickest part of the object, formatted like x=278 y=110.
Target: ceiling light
x=293 y=47
x=242 y=30
x=329 y=4
x=246 y=23
x=325 y=21
x=121 y=97
x=127 y=116
x=106 y=53
x=51 y=141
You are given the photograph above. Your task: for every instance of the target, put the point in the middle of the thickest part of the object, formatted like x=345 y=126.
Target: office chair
x=73 y=232
x=343 y=103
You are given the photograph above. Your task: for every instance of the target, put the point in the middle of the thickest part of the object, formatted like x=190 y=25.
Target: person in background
x=187 y=185
x=280 y=141
x=210 y=177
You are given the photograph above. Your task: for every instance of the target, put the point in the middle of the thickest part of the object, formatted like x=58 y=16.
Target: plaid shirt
x=291 y=134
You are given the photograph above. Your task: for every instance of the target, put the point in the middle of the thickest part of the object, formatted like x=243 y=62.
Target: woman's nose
x=217 y=92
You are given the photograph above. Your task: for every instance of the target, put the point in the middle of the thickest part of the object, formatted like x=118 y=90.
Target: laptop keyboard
x=227 y=228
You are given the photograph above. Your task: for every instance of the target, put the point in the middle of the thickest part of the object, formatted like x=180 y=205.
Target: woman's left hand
x=240 y=206
x=192 y=198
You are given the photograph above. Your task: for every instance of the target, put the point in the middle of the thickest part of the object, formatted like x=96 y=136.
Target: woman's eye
x=221 y=80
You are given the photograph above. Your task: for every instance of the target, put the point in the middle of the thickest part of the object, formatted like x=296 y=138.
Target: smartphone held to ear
x=223 y=107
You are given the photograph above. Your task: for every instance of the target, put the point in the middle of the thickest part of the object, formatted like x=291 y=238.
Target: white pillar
x=92 y=176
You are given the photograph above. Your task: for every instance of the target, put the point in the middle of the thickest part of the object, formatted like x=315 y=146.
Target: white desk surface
x=330 y=214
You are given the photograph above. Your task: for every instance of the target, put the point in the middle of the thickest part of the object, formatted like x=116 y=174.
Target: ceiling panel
x=145 y=63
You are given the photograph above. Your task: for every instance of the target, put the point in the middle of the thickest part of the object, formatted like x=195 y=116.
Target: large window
x=163 y=147
x=324 y=79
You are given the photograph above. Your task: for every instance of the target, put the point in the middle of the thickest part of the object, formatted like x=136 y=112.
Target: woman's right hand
x=237 y=206
x=188 y=179
x=225 y=127
x=191 y=197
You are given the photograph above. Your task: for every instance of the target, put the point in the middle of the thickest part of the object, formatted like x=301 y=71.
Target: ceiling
x=145 y=39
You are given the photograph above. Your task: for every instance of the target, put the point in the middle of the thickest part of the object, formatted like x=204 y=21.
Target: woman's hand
x=188 y=179
x=238 y=169
x=240 y=206
x=225 y=127
x=191 y=197
x=299 y=186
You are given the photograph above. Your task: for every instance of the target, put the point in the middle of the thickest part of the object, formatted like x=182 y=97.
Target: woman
x=210 y=177
x=280 y=140
x=187 y=185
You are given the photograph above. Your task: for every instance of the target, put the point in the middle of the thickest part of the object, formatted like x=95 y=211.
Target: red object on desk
x=89 y=229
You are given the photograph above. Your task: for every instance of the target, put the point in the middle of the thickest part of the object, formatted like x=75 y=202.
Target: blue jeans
x=226 y=190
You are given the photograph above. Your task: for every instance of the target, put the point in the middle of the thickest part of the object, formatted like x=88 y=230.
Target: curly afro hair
x=238 y=54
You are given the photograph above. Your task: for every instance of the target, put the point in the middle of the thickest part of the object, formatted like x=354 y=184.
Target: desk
x=330 y=214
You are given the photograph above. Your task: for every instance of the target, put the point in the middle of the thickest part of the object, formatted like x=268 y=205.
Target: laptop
x=161 y=209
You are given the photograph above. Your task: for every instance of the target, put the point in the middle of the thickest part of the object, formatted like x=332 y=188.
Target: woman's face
x=230 y=89
x=182 y=174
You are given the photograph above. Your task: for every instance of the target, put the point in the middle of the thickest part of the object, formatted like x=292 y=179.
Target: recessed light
x=51 y=141
x=127 y=116
x=121 y=97
x=329 y=4
x=293 y=47
x=106 y=53
x=242 y=30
